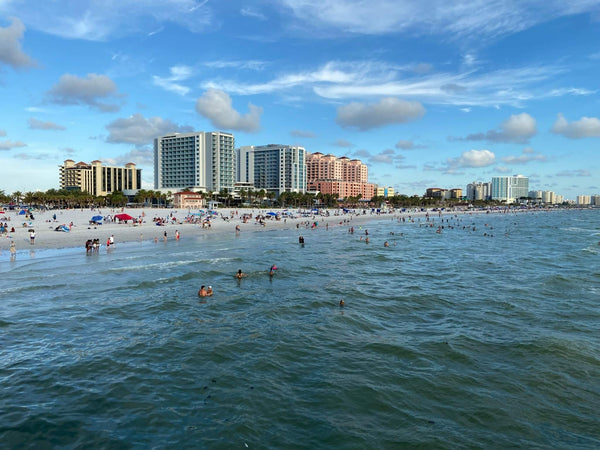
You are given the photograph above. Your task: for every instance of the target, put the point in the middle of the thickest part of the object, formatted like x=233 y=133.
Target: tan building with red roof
x=99 y=180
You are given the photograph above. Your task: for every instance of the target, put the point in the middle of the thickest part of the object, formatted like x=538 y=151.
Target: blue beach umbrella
x=97 y=219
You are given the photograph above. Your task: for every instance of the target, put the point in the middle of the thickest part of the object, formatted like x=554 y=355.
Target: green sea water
x=486 y=335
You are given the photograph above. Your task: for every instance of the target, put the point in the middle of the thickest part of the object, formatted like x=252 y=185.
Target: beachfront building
x=343 y=176
x=188 y=200
x=98 y=179
x=584 y=199
x=445 y=194
x=202 y=161
x=274 y=168
x=510 y=189
x=385 y=192
x=479 y=191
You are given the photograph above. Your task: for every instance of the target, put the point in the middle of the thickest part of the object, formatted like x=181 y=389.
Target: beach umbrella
x=123 y=217
x=97 y=219
x=271 y=213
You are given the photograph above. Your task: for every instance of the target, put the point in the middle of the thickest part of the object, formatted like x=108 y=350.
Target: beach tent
x=123 y=217
x=271 y=213
x=97 y=219
x=22 y=212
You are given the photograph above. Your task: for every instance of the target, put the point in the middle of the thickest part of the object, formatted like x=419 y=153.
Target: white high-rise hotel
x=274 y=168
x=510 y=189
x=200 y=160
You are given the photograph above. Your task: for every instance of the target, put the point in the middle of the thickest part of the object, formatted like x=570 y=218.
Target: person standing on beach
x=13 y=250
x=165 y=235
x=32 y=237
x=176 y=235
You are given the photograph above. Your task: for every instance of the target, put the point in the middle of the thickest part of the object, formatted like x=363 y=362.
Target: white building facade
x=274 y=168
x=510 y=189
x=479 y=191
x=202 y=161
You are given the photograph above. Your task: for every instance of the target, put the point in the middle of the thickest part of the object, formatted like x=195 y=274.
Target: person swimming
x=202 y=292
x=272 y=270
x=239 y=275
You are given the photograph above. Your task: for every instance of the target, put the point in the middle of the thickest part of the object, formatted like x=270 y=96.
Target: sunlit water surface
x=447 y=340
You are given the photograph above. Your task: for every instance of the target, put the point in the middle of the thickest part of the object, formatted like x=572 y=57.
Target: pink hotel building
x=343 y=176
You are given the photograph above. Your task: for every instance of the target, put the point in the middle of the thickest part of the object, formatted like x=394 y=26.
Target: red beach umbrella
x=123 y=217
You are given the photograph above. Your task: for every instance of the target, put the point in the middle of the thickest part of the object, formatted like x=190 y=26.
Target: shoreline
x=226 y=221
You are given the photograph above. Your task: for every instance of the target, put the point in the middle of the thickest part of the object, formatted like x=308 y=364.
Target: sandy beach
x=185 y=222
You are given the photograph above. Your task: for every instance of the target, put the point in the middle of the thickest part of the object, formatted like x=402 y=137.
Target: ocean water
x=469 y=338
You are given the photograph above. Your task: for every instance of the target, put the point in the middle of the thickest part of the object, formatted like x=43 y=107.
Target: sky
x=433 y=93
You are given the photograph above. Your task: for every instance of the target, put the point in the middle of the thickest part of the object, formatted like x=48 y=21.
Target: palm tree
x=17 y=196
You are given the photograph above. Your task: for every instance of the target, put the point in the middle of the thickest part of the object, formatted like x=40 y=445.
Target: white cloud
x=364 y=116
x=138 y=130
x=518 y=128
x=216 y=106
x=2 y=133
x=473 y=158
x=8 y=144
x=74 y=90
x=36 y=124
x=471 y=86
x=170 y=83
x=583 y=128
x=10 y=46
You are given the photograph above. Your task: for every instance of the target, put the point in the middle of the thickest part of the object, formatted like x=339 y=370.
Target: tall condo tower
x=274 y=168
x=203 y=161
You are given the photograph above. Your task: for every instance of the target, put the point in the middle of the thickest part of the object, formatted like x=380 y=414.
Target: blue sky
x=428 y=94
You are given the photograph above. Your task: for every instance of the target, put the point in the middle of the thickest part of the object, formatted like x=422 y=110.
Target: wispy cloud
x=574 y=173
x=474 y=86
x=528 y=155
x=237 y=64
x=303 y=134
x=36 y=124
x=8 y=144
x=463 y=20
x=253 y=13
x=408 y=145
x=171 y=83
x=97 y=20
x=343 y=143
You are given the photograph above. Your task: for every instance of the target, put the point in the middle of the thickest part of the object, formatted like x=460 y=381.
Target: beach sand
x=81 y=230
x=225 y=221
